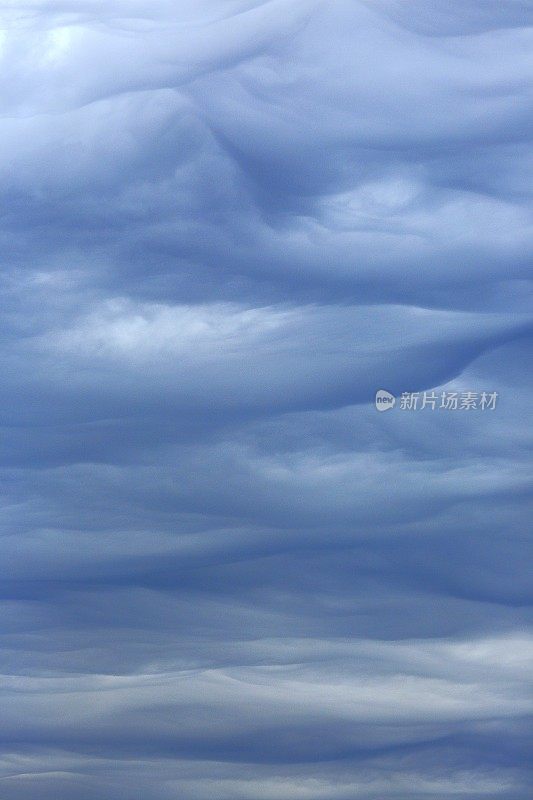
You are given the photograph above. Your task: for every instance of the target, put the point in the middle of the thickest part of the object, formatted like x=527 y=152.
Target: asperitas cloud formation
x=227 y=224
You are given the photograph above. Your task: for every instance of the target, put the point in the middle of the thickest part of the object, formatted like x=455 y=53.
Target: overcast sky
x=225 y=224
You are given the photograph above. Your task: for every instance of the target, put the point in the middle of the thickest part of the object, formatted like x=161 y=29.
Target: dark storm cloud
x=224 y=226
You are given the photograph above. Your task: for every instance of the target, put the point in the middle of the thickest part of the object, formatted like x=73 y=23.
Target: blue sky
x=225 y=225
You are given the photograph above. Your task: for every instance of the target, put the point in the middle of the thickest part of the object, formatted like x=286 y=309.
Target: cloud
x=225 y=226
x=221 y=360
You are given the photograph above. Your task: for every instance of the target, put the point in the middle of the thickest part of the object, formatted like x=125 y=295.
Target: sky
x=225 y=225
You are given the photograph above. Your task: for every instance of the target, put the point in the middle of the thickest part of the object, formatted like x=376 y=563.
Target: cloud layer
x=224 y=226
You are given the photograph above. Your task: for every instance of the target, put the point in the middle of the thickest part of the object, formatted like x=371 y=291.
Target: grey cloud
x=212 y=360
x=224 y=227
